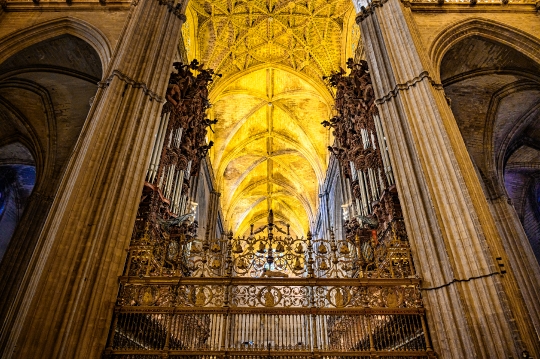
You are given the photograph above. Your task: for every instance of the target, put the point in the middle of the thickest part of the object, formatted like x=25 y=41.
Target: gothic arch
x=318 y=85
x=288 y=189
x=492 y=30
x=30 y=141
x=22 y=39
x=44 y=155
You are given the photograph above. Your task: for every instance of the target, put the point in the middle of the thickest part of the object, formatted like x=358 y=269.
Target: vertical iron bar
x=426 y=334
x=370 y=333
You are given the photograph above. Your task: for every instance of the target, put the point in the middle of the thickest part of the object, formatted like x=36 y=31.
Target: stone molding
x=135 y=84
x=17 y=41
x=176 y=9
x=407 y=85
x=367 y=11
x=457 y=5
x=66 y=5
x=471 y=2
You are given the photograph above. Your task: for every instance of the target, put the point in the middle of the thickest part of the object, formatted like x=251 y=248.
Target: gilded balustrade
x=270 y=296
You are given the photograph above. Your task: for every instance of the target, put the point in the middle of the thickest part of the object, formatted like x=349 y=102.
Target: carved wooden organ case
x=373 y=218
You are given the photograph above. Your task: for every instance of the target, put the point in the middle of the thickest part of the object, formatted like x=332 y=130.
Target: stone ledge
x=473 y=5
x=40 y=5
x=456 y=5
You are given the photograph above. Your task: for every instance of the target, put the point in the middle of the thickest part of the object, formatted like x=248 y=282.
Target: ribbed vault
x=270 y=151
x=269 y=148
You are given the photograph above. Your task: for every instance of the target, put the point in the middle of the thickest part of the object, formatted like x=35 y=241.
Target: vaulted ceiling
x=270 y=151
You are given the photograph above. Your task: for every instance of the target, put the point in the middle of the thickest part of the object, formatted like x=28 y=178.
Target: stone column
x=473 y=310
x=521 y=257
x=66 y=304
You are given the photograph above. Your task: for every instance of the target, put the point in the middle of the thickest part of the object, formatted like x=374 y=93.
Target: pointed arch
x=19 y=40
x=489 y=29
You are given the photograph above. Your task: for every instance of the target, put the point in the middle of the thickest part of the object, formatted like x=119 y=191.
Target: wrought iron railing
x=270 y=296
x=382 y=255
x=300 y=317
x=222 y=331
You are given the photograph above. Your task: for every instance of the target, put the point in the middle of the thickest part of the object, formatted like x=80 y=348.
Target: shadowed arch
x=19 y=40
x=44 y=162
x=489 y=29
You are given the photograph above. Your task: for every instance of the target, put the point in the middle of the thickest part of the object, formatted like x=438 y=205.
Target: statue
x=216 y=248
x=237 y=248
x=241 y=264
x=324 y=265
x=215 y=264
x=173 y=93
x=344 y=249
x=297 y=264
x=367 y=221
x=394 y=300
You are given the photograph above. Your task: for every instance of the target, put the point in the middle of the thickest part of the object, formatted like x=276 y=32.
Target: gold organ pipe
x=365 y=198
x=173 y=192
x=384 y=150
x=314 y=332
x=177 y=197
x=370 y=333
x=158 y=148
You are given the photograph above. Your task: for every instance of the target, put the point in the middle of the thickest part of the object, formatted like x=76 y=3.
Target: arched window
x=17 y=179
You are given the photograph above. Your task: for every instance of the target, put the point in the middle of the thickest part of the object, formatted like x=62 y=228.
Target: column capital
x=366 y=11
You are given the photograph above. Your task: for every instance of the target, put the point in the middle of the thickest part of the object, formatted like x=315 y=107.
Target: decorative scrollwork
x=147 y=295
x=271 y=296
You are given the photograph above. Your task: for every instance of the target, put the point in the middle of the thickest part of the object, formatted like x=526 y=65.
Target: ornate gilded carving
x=376 y=225
x=264 y=292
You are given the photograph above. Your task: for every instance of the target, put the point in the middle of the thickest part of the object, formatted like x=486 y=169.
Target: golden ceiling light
x=270 y=151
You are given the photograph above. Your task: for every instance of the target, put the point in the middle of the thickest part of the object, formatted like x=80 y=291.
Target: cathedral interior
x=284 y=179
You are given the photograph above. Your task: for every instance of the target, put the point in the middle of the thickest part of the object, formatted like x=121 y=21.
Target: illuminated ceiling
x=270 y=150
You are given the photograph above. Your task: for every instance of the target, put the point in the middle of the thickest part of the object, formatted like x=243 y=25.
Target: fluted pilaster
x=523 y=264
x=69 y=292
x=472 y=308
